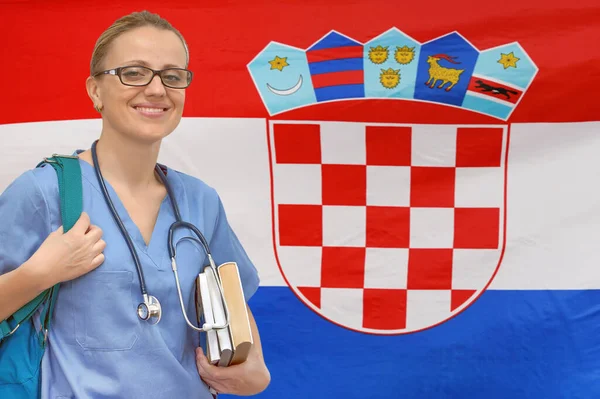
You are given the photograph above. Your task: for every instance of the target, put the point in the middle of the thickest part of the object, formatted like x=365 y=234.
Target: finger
x=97 y=261
x=204 y=367
x=98 y=247
x=202 y=362
x=82 y=224
x=94 y=233
x=207 y=373
x=200 y=353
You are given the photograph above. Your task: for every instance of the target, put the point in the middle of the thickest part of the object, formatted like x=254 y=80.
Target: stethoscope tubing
x=117 y=219
x=179 y=223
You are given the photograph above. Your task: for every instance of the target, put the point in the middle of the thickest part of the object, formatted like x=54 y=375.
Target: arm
x=18 y=287
x=248 y=378
x=257 y=347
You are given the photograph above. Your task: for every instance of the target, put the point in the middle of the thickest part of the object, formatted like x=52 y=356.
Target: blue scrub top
x=98 y=348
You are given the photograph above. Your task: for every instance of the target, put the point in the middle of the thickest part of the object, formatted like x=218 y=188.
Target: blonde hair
x=125 y=24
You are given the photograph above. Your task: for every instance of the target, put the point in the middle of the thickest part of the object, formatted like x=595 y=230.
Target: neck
x=126 y=163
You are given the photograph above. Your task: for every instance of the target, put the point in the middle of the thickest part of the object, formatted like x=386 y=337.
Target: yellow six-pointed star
x=278 y=63
x=508 y=60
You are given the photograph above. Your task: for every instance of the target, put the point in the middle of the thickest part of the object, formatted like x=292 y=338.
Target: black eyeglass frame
x=117 y=72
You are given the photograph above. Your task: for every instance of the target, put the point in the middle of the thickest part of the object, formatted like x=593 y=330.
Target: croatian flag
x=416 y=184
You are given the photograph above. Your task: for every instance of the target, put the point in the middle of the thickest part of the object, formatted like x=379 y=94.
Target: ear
x=93 y=91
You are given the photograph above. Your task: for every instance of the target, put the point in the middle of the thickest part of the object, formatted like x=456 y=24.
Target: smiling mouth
x=148 y=110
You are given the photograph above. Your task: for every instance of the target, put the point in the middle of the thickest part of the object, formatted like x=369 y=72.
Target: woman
x=98 y=347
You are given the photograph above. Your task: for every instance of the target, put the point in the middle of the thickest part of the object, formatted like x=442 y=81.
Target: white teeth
x=150 y=110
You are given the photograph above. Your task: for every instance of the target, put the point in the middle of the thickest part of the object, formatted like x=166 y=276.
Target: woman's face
x=148 y=113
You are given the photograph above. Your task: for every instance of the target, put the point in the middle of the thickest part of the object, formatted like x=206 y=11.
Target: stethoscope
x=150 y=309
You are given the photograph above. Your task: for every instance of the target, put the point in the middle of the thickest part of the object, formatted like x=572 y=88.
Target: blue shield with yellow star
x=500 y=78
x=282 y=77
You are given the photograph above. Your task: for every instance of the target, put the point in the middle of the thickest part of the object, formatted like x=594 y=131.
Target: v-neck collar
x=155 y=249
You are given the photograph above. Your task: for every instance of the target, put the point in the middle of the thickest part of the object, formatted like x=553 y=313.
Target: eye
x=172 y=77
x=134 y=73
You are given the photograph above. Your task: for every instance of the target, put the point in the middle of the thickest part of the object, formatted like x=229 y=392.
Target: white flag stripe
x=228 y=154
x=552 y=219
x=553 y=224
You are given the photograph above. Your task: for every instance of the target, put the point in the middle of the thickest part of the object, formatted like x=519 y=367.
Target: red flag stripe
x=335 y=53
x=52 y=86
x=337 y=78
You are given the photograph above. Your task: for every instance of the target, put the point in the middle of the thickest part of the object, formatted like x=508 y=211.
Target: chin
x=152 y=129
x=150 y=134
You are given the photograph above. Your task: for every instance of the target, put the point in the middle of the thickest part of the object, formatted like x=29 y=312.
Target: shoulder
x=197 y=199
x=46 y=179
x=25 y=204
x=25 y=211
x=34 y=184
x=33 y=198
x=195 y=188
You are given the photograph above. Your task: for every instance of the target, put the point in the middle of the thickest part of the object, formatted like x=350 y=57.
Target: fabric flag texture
x=416 y=183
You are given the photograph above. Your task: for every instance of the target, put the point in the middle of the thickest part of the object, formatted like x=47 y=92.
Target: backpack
x=22 y=341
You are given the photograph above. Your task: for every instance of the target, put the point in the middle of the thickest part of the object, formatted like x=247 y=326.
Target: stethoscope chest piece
x=150 y=309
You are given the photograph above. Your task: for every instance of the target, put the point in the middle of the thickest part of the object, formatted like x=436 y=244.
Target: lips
x=151 y=110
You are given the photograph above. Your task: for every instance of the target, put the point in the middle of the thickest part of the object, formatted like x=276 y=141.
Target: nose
x=155 y=87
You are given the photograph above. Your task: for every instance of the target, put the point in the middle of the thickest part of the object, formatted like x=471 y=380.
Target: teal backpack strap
x=68 y=173
x=21 y=315
x=69 y=185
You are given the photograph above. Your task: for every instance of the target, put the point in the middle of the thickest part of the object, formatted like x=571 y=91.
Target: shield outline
x=502 y=224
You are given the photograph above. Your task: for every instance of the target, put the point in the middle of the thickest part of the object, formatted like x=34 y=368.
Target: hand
x=66 y=256
x=248 y=378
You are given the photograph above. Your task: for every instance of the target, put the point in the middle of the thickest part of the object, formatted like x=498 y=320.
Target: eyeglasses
x=175 y=78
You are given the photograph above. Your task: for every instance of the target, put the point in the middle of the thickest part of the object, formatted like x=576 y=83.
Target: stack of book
x=230 y=345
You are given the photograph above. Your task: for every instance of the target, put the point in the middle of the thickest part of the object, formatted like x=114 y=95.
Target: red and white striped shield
x=388 y=228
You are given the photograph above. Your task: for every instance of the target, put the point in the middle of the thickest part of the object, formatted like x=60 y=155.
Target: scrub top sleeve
x=226 y=247
x=24 y=221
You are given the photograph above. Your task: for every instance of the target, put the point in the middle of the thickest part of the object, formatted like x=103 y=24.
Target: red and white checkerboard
x=388 y=228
